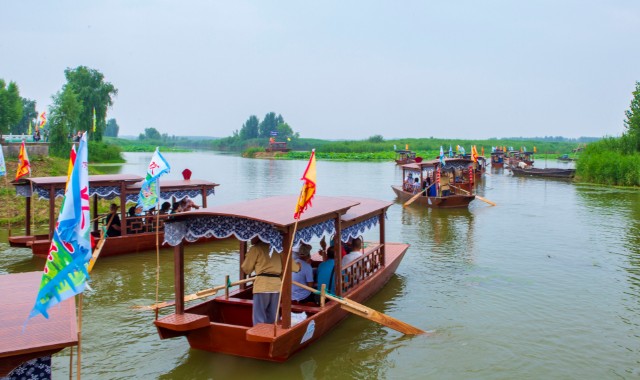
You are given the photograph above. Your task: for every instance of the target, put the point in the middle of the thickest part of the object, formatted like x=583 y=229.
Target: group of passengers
x=114 y=225
x=268 y=269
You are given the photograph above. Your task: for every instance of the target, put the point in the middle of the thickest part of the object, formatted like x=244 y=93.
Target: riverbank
x=12 y=206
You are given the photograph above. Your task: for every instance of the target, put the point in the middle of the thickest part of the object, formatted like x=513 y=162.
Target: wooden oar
x=477 y=196
x=410 y=201
x=99 y=245
x=200 y=294
x=367 y=312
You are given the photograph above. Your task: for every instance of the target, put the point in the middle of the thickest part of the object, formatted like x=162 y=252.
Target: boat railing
x=362 y=268
x=141 y=224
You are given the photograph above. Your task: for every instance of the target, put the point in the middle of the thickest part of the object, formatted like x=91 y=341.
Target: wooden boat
x=137 y=232
x=566 y=158
x=515 y=157
x=38 y=337
x=224 y=324
x=404 y=156
x=497 y=158
x=546 y=172
x=455 y=188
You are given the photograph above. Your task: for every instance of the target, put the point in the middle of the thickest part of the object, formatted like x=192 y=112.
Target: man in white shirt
x=356 y=252
x=303 y=276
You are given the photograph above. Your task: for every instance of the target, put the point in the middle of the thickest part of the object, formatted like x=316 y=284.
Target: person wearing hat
x=303 y=276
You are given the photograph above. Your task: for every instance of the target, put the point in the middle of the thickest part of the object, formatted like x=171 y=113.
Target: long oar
x=99 y=245
x=410 y=201
x=200 y=294
x=477 y=196
x=367 y=312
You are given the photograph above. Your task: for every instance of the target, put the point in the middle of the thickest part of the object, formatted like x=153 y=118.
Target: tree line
x=256 y=133
x=80 y=105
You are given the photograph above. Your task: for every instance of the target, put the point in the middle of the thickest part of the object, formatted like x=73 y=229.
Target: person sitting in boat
x=426 y=185
x=266 y=287
x=186 y=204
x=415 y=188
x=175 y=207
x=165 y=208
x=112 y=221
x=356 y=252
x=303 y=276
x=326 y=272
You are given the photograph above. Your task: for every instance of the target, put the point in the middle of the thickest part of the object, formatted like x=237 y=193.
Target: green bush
x=101 y=152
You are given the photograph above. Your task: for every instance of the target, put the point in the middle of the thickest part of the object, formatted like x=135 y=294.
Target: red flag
x=24 y=167
x=308 y=188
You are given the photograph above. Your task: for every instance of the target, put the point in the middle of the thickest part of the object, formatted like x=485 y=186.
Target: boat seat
x=183 y=322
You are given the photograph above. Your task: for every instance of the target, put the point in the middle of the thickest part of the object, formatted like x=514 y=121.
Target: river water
x=544 y=285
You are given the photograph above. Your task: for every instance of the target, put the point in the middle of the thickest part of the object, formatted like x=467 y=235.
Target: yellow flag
x=308 y=188
x=24 y=167
x=94 y=119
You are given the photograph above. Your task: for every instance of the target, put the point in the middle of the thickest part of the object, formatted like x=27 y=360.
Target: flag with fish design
x=308 y=188
x=442 y=156
x=150 y=189
x=65 y=271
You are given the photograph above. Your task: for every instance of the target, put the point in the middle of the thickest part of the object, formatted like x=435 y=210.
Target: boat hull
x=545 y=173
x=451 y=201
x=230 y=332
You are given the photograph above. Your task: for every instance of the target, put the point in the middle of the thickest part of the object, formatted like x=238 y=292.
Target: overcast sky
x=338 y=69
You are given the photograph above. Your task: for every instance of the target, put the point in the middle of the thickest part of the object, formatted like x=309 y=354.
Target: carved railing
x=142 y=224
x=362 y=268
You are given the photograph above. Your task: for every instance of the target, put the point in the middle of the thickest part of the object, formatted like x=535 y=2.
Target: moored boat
x=404 y=156
x=497 y=158
x=546 y=172
x=138 y=233
x=448 y=186
x=224 y=324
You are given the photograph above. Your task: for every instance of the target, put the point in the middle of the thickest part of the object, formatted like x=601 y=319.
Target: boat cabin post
x=337 y=261
x=243 y=253
x=285 y=296
x=381 y=230
x=52 y=210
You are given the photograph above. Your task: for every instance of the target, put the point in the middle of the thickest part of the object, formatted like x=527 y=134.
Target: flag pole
x=79 y=360
x=286 y=265
x=157 y=249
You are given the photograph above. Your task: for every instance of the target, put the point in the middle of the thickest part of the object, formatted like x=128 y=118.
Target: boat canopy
x=270 y=218
x=449 y=163
x=110 y=186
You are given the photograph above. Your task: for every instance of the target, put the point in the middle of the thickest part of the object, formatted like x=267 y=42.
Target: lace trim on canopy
x=178 y=194
x=222 y=227
x=358 y=228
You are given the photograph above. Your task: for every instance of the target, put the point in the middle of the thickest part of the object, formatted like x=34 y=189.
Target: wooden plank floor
x=38 y=334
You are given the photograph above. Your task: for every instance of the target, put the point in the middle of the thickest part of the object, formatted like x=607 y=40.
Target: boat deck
x=22 y=340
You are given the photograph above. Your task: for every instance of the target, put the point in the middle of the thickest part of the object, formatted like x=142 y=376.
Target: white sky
x=338 y=69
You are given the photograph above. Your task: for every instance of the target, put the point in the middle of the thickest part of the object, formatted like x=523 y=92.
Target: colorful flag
x=65 y=271
x=43 y=118
x=442 y=156
x=94 y=119
x=474 y=153
x=535 y=150
x=483 y=151
x=150 y=190
x=29 y=129
x=450 y=151
x=3 y=166
x=24 y=167
x=72 y=160
x=308 y=188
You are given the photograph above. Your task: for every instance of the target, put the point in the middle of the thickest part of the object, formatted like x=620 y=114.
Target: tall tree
x=269 y=123
x=633 y=117
x=250 y=128
x=93 y=93
x=63 y=120
x=10 y=106
x=29 y=115
x=284 y=130
x=112 y=128
x=150 y=134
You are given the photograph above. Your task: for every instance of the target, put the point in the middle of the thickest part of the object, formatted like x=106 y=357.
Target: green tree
x=63 y=119
x=10 y=106
x=268 y=124
x=29 y=115
x=284 y=130
x=112 y=128
x=633 y=117
x=376 y=139
x=150 y=134
x=249 y=129
x=93 y=93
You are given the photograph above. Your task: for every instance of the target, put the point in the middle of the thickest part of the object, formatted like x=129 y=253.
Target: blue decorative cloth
x=35 y=369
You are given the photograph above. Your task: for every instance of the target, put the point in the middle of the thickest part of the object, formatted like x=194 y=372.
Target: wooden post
x=285 y=296
x=204 y=197
x=323 y=291
x=28 y=214
x=123 y=209
x=337 y=244
x=382 y=249
x=178 y=276
x=243 y=253
x=226 y=287
x=96 y=222
x=52 y=211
